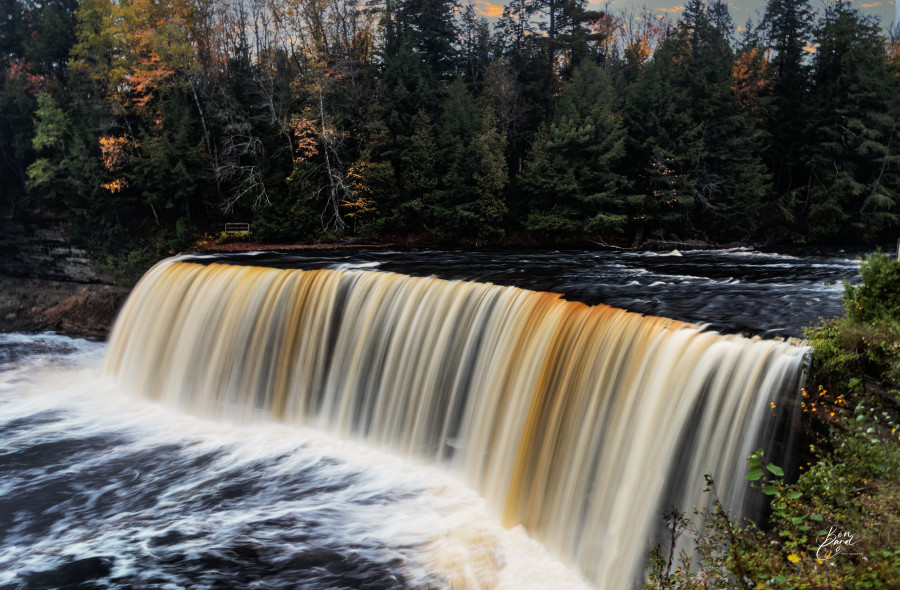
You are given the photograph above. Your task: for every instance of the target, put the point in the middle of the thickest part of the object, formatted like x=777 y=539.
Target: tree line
x=142 y=122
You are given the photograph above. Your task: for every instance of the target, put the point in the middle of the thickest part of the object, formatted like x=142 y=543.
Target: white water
x=580 y=423
x=114 y=491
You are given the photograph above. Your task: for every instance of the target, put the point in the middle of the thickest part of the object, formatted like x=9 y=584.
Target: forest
x=146 y=124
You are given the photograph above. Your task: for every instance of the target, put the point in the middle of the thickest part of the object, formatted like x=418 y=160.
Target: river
x=767 y=292
x=104 y=489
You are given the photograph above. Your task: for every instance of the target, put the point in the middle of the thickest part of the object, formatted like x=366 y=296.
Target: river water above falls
x=103 y=486
x=773 y=293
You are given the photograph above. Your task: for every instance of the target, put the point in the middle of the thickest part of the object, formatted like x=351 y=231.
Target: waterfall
x=579 y=422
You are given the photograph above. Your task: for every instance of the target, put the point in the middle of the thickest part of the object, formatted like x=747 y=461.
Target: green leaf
x=797 y=519
x=755 y=474
x=775 y=469
x=769 y=490
x=816 y=517
x=794 y=495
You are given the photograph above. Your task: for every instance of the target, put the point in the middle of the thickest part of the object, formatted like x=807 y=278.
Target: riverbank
x=49 y=284
x=237 y=244
x=65 y=307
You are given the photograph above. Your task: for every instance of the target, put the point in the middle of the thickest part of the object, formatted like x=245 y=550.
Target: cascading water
x=578 y=422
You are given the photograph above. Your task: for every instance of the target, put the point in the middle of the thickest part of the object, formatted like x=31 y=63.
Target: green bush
x=877 y=297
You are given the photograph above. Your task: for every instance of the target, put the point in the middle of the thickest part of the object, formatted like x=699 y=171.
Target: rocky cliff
x=47 y=284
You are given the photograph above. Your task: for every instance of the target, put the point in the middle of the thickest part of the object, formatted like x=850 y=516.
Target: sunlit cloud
x=490 y=10
x=870 y=4
x=672 y=10
x=810 y=48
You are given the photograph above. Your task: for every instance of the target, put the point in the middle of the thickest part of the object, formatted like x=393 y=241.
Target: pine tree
x=663 y=144
x=419 y=176
x=728 y=179
x=475 y=47
x=519 y=75
x=584 y=144
x=854 y=193
x=788 y=31
x=171 y=173
x=694 y=149
x=430 y=29
x=549 y=190
x=453 y=207
x=491 y=175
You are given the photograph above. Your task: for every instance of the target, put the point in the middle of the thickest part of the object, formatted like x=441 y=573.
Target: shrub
x=877 y=297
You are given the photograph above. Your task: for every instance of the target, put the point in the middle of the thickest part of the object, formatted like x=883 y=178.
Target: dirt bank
x=73 y=309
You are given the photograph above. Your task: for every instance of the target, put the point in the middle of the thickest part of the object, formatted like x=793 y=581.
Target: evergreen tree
x=696 y=150
x=289 y=116
x=788 y=31
x=565 y=31
x=728 y=179
x=855 y=161
x=419 y=176
x=491 y=175
x=550 y=191
x=411 y=91
x=572 y=177
x=51 y=36
x=663 y=143
x=524 y=76
x=476 y=46
x=453 y=208
x=513 y=31
x=170 y=172
x=429 y=28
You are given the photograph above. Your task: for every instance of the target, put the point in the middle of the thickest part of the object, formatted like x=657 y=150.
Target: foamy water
x=111 y=491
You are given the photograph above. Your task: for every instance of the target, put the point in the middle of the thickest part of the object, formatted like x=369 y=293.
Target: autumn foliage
x=553 y=122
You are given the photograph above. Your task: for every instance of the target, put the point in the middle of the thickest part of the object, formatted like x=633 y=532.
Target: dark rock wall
x=40 y=249
x=47 y=284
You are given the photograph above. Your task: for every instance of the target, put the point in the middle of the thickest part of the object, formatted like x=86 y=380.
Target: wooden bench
x=237 y=228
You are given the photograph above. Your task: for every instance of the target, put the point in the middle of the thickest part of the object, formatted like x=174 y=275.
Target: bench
x=237 y=228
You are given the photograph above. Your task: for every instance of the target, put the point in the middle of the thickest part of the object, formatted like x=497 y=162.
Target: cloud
x=870 y=4
x=672 y=10
x=490 y=10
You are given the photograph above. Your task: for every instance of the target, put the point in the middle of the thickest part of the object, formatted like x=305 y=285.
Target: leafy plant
x=836 y=526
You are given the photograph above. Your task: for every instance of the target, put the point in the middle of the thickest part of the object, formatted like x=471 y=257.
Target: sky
x=741 y=10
